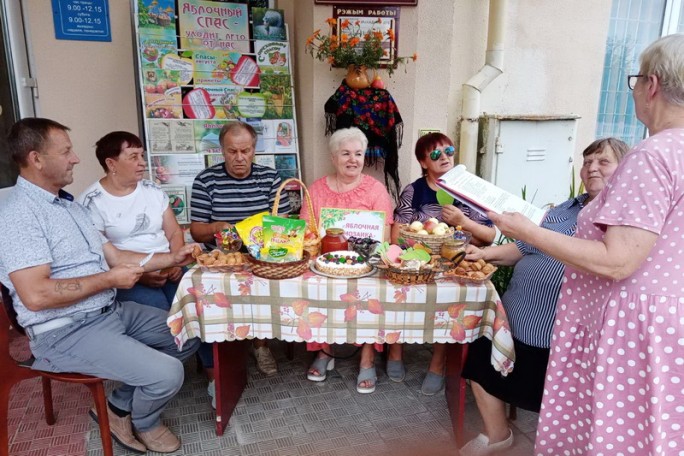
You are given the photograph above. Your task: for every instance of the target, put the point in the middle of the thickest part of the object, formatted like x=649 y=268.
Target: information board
x=82 y=20
x=204 y=63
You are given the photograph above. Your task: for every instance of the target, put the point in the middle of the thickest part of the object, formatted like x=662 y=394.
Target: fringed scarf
x=375 y=113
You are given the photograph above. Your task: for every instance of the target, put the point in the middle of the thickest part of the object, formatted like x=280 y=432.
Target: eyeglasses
x=632 y=80
x=448 y=150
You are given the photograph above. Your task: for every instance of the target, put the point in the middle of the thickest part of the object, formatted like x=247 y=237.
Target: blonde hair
x=346 y=134
x=665 y=59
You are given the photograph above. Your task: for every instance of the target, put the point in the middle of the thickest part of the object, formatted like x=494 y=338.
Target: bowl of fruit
x=408 y=266
x=431 y=233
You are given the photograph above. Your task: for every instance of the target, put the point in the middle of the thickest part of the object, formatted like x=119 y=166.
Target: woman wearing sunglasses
x=418 y=201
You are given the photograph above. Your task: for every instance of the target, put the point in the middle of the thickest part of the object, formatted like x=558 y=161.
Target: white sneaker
x=211 y=391
x=480 y=446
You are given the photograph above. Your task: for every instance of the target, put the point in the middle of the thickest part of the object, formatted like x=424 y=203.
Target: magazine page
x=482 y=195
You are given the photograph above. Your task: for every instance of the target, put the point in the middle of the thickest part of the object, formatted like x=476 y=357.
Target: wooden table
x=236 y=307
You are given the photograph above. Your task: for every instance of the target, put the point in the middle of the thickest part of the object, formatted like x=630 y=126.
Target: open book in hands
x=483 y=196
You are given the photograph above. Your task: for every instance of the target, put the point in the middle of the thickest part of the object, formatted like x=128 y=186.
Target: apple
x=443 y=225
x=430 y=225
x=439 y=231
x=416 y=226
x=310 y=235
x=422 y=232
x=433 y=219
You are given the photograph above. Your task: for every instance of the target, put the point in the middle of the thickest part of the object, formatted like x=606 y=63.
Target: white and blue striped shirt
x=530 y=300
x=217 y=196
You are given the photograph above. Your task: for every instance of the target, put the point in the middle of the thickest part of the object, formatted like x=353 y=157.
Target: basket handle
x=313 y=226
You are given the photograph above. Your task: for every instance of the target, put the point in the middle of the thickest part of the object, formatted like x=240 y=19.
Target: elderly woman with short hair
x=530 y=304
x=614 y=379
x=348 y=188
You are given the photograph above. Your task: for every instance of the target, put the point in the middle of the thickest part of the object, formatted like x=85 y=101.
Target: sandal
x=480 y=446
x=322 y=366
x=432 y=384
x=366 y=373
x=396 y=370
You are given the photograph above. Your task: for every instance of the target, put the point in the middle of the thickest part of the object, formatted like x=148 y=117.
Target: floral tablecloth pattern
x=218 y=307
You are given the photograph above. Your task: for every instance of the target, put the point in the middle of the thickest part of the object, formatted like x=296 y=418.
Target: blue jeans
x=130 y=344
x=161 y=298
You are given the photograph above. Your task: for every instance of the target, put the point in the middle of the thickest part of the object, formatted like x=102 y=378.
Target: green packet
x=283 y=239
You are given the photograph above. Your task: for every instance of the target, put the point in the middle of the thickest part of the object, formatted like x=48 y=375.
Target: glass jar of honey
x=333 y=240
x=453 y=250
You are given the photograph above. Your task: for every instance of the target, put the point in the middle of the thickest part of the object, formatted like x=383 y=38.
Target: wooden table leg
x=230 y=369
x=455 y=388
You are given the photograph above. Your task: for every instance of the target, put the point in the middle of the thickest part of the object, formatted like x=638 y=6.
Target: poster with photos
x=202 y=65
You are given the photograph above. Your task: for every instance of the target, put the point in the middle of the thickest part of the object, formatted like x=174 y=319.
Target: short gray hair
x=233 y=127
x=665 y=59
x=346 y=134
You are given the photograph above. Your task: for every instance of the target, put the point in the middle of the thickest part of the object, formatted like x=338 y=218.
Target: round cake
x=342 y=263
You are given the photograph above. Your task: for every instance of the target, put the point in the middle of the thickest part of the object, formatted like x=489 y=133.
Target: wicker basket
x=404 y=277
x=313 y=246
x=243 y=266
x=277 y=271
x=465 y=280
x=433 y=241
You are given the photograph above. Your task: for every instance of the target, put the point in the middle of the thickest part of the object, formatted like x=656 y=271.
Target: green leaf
x=443 y=198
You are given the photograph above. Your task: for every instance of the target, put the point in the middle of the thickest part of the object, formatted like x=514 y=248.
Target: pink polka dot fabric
x=615 y=378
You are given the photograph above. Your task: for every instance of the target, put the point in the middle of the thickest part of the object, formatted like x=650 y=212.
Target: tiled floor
x=284 y=415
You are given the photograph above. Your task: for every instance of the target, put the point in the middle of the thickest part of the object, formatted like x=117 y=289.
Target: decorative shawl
x=375 y=113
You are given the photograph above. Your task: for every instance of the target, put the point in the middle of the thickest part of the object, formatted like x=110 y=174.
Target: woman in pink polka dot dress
x=615 y=378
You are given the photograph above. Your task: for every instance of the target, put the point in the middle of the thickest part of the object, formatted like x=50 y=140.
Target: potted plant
x=356 y=49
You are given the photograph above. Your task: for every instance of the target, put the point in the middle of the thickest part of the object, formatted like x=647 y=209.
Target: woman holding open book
x=418 y=201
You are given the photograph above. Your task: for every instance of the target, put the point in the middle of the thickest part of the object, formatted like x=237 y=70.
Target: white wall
x=88 y=86
x=553 y=65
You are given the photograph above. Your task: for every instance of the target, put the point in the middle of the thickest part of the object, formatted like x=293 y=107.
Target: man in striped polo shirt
x=227 y=193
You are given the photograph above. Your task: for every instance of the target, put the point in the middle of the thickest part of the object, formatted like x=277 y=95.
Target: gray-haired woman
x=348 y=188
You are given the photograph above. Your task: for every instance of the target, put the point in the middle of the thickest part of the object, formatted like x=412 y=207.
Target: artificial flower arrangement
x=354 y=46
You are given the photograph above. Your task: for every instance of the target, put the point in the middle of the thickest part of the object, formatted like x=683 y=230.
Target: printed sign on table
x=354 y=222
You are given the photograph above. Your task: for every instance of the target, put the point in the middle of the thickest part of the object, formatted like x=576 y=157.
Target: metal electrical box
x=530 y=152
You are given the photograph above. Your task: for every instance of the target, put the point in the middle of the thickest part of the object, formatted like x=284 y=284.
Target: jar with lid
x=333 y=240
x=453 y=250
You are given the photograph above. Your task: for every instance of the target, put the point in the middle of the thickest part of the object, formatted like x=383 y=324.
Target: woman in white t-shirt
x=134 y=214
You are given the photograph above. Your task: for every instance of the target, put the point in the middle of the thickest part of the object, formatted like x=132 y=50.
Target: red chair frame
x=15 y=371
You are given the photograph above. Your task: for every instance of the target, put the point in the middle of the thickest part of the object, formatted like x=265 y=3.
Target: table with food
x=276 y=277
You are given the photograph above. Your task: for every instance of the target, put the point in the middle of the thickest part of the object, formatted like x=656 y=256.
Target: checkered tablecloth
x=218 y=307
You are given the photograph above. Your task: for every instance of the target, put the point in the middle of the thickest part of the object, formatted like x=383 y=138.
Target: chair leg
x=98 y=392
x=47 y=400
x=198 y=364
x=290 y=350
x=512 y=413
